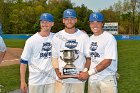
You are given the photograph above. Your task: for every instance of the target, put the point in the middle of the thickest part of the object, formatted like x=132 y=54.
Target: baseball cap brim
x=46 y=20
x=69 y=17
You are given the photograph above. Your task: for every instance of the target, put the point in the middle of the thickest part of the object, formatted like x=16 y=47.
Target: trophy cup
x=69 y=70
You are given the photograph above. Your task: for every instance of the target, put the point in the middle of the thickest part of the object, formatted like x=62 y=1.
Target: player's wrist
x=92 y=71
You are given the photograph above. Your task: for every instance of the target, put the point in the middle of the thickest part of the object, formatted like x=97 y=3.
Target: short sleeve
x=87 y=46
x=55 y=46
x=111 y=49
x=27 y=51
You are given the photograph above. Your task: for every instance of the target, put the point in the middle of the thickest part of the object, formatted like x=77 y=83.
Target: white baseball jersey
x=37 y=52
x=64 y=41
x=103 y=47
x=2 y=45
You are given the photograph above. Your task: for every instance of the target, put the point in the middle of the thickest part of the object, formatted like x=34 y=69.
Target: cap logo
x=95 y=16
x=45 y=15
x=68 y=12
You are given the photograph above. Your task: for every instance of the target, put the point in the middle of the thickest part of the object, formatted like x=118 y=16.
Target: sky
x=95 y=5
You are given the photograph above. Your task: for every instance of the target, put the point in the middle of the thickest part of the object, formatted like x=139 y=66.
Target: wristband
x=85 y=70
x=92 y=71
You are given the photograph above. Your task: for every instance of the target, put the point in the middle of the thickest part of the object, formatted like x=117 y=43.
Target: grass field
x=128 y=67
x=9 y=78
x=15 y=43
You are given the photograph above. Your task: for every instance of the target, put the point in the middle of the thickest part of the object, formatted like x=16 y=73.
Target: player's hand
x=83 y=76
x=23 y=87
x=58 y=73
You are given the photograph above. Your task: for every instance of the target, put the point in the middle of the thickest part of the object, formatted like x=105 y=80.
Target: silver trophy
x=69 y=70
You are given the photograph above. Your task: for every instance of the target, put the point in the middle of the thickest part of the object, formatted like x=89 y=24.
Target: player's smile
x=96 y=27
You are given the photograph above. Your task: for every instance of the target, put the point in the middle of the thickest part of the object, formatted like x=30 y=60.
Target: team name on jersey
x=46 y=50
x=93 y=48
x=71 y=44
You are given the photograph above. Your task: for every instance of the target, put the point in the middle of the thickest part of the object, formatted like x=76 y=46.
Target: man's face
x=46 y=25
x=69 y=22
x=96 y=27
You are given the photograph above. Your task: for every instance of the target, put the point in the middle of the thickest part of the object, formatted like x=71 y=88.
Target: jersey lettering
x=71 y=44
x=46 y=50
x=93 y=48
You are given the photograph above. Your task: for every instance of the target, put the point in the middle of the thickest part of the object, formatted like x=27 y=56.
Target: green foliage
x=21 y=17
x=83 y=14
x=127 y=14
x=36 y=27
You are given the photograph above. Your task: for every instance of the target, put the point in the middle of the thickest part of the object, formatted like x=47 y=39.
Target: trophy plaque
x=69 y=70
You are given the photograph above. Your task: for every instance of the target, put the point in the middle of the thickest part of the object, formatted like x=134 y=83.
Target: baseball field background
x=128 y=67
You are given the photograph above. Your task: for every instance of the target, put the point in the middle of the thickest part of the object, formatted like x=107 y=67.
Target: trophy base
x=69 y=76
x=69 y=73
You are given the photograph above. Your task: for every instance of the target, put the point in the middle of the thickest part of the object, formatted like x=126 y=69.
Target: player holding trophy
x=70 y=55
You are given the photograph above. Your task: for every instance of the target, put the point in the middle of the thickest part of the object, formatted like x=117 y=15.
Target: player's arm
x=56 y=67
x=55 y=54
x=2 y=54
x=100 y=67
x=26 y=55
x=23 y=66
x=87 y=64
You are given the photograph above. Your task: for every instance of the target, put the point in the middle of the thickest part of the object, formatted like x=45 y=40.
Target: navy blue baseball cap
x=47 y=17
x=96 y=16
x=69 y=13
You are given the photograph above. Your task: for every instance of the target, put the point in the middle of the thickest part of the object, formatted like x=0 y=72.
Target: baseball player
x=37 y=55
x=103 y=51
x=70 y=38
x=2 y=49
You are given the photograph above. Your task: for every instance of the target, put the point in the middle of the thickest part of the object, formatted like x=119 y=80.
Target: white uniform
x=103 y=47
x=64 y=41
x=2 y=45
x=37 y=52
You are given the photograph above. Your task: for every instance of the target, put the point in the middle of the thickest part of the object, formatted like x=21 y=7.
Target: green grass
x=128 y=68
x=15 y=43
x=9 y=78
x=9 y=75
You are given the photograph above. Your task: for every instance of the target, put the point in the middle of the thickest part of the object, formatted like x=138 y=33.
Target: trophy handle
x=77 y=55
x=61 y=57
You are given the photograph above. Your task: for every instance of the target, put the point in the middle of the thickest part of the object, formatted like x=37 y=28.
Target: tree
x=82 y=15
